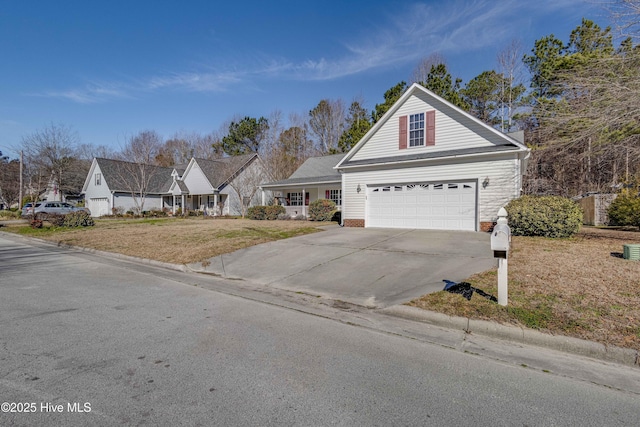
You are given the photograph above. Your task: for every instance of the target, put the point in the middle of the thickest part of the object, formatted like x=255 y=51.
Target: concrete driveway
x=364 y=266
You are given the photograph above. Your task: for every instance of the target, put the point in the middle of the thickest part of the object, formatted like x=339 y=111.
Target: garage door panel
x=448 y=206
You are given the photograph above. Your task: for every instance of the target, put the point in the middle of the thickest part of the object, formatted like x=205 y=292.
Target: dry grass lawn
x=173 y=240
x=580 y=287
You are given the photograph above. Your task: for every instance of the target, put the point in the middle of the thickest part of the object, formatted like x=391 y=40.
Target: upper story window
x=416 y=130
x=98 y=179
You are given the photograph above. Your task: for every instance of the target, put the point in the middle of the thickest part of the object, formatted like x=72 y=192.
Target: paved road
x=142 y=345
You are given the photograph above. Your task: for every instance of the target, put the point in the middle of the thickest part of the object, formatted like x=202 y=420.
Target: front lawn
x=174 y=240
x=580 y=287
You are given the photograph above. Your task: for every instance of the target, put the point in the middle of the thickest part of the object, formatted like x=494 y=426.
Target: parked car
x=27 y=209
x=60 y=208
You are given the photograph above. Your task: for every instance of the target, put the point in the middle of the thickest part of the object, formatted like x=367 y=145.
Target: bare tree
x=421 y=71
x=327 y=122
x=244 y=174
x=511 y=68
x=50 y=155
x=9 y=180
x=137 y=171
x=626 y=16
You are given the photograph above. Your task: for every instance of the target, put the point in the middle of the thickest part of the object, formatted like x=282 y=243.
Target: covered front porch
x=296 y=199
x=208 y=204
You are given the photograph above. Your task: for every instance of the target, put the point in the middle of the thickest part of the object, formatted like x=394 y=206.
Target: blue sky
x=112 y=68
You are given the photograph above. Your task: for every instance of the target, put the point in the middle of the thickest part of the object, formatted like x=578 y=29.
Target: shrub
x=284 y=217
x=78 y=219
x=265 y=212
x=625 y=210
x=299 y=217
x=36 y=223
x=56 y=219
x=322 y=210
x=547 y=216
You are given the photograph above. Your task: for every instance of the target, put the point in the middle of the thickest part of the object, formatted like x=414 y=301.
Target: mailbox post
x=500 y=245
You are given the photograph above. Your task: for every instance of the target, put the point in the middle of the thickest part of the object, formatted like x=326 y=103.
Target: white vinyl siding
x=503 y=183
x=195 y=180
x=450 y=134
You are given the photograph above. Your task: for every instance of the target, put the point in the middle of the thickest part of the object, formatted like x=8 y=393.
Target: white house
x=425 y=164
x=206 y=185
x=428 y=164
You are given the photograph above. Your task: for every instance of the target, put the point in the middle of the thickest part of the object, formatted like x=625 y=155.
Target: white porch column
x=215 y=205
x=263 y=196
x=183 y=207
x=173 y=205
x=304 y=204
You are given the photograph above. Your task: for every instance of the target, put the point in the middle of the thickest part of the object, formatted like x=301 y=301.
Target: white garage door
x=99 y=206
x=442 y=206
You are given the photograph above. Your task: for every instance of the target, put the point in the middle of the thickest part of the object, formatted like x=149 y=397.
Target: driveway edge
x=625 y=356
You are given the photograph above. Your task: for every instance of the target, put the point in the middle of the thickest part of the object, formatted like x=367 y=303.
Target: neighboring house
x=426 y=164
x=53 y=193
x=205 y=185
x=315 y=179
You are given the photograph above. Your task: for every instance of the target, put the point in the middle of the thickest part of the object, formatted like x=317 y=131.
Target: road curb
x=625 y=356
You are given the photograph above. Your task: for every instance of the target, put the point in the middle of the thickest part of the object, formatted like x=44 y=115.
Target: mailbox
x=500 y=240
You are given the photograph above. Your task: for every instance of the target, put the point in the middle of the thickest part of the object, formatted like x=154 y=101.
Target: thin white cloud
x=415 y=32
x=89 y=94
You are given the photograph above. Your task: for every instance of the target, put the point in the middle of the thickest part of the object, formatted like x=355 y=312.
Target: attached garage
x=98 y=206
x=439 y=205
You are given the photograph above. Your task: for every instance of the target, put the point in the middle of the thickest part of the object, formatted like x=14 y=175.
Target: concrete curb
x=625 y=356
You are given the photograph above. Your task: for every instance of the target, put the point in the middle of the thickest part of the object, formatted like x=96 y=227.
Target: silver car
x=60 y=208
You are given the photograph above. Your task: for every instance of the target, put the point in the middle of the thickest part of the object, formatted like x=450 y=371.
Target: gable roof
x=116 y=173
x=220 y=171
x=315 y=170
x=503 y=142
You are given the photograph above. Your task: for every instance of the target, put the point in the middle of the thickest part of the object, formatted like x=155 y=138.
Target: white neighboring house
x=205 y=185
x=428 y=164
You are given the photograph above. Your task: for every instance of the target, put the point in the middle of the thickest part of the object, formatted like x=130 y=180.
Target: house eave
x=372 y=163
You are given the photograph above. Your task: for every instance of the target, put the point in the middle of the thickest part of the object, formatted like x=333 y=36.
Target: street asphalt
x=102 y=340
x=371 y=267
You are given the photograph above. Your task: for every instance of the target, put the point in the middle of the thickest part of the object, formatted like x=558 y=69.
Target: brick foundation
x=354 y=222
x=487 y=226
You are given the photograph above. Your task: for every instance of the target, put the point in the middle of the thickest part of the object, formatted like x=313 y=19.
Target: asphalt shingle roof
x=120 y=175
x=314 y=170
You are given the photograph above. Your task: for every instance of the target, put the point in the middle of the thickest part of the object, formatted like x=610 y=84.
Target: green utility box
x=631 y=252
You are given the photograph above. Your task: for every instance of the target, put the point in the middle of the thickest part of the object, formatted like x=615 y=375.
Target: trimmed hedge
x=547 y=216
x=322 y=210
x=265 y=212
x=625 y=210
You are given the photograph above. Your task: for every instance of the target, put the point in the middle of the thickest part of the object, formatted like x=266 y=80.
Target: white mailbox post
x=500 y=245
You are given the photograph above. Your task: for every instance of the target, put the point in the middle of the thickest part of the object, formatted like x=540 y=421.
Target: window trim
x=98 y=180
